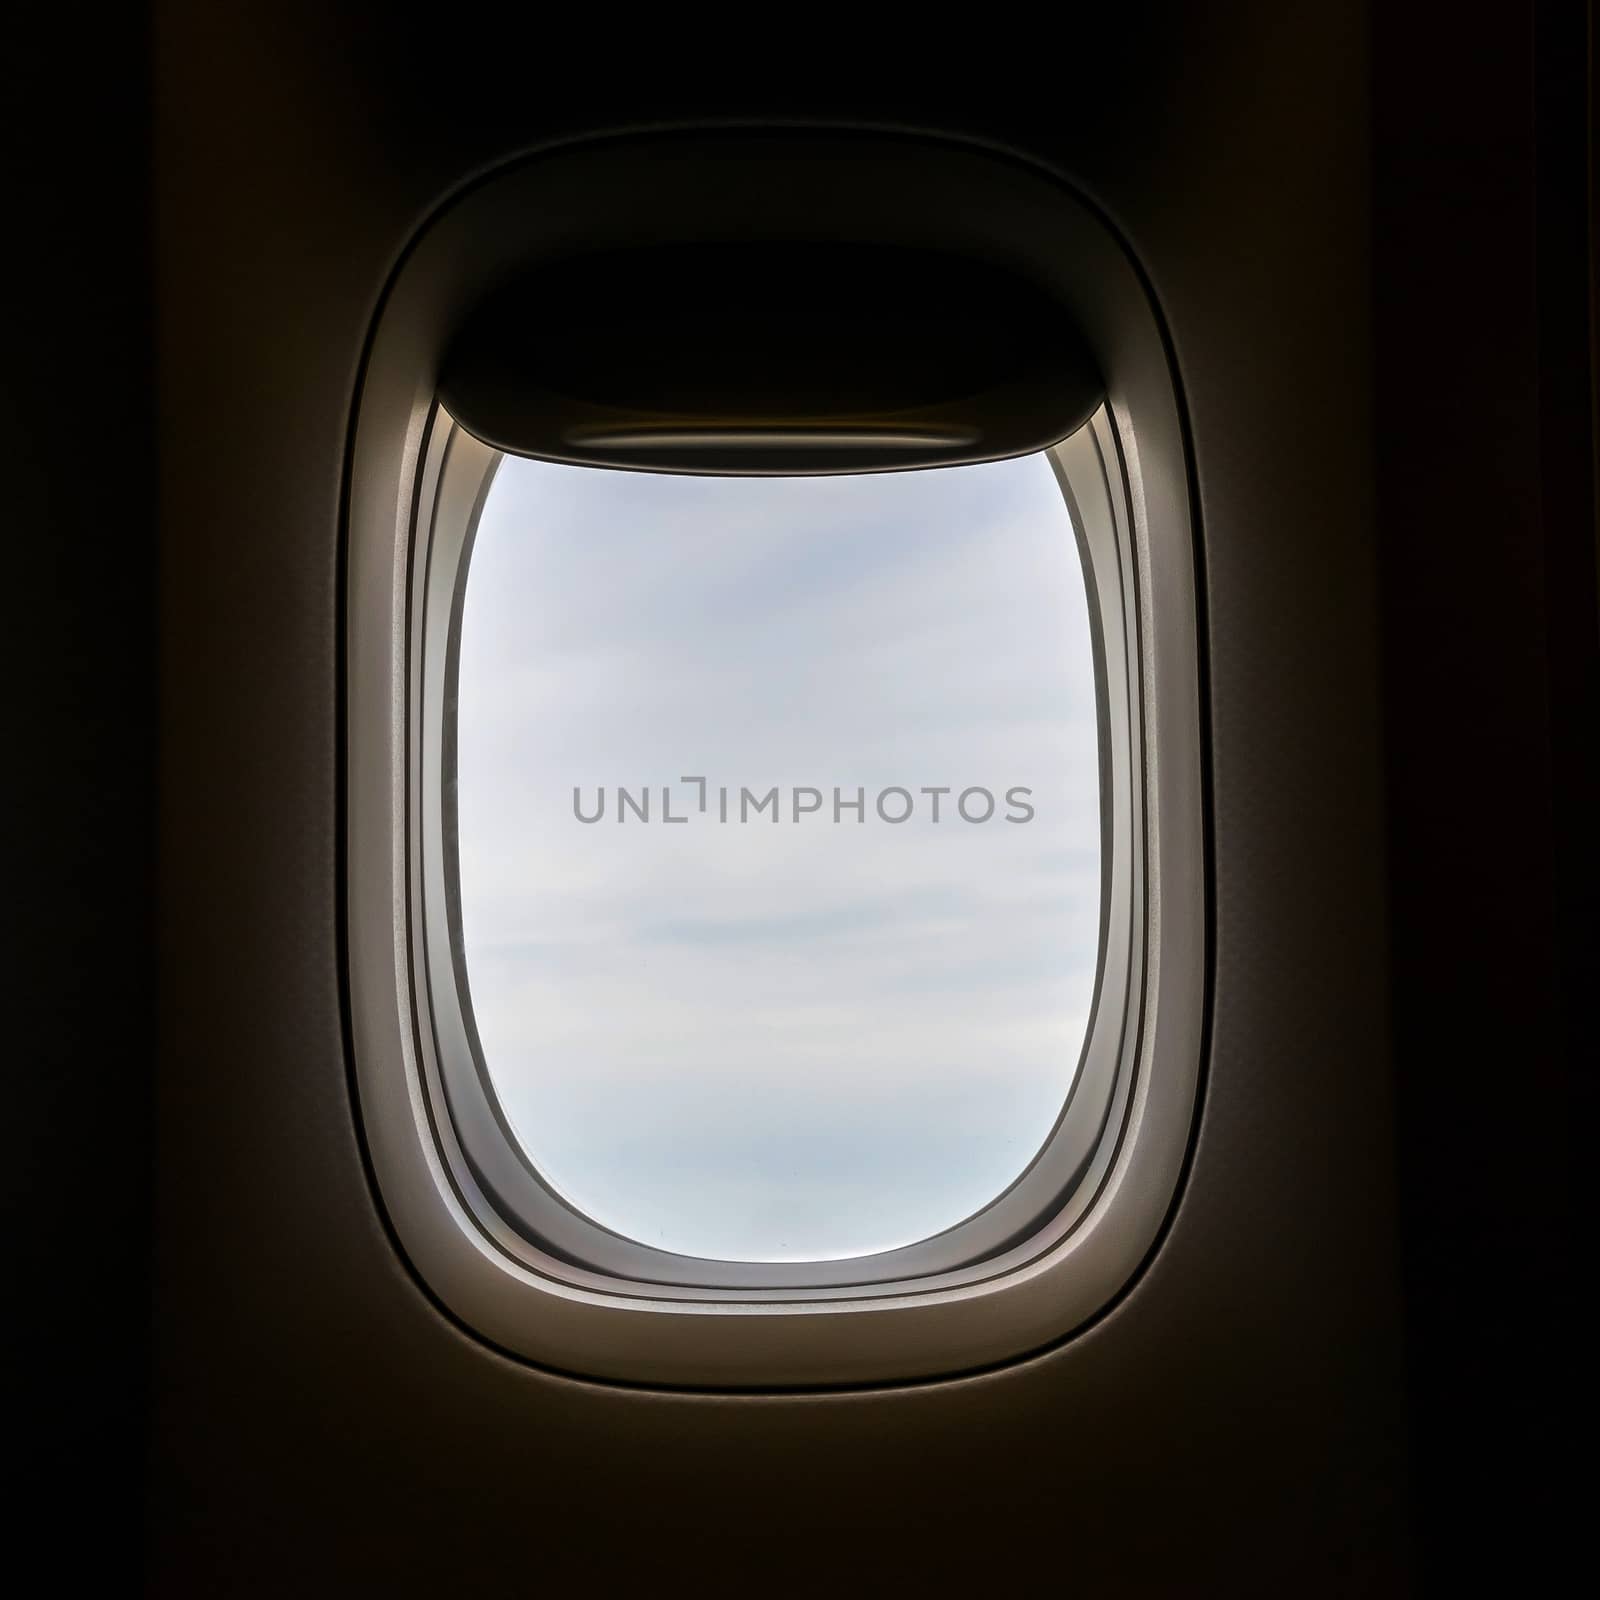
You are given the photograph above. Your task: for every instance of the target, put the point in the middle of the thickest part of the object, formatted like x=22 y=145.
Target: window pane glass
x=810 y=1030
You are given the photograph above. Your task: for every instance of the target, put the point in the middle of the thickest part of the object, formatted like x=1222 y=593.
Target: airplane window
x=775 y=906
x=779 y=842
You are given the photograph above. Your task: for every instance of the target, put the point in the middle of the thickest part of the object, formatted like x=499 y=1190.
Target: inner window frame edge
x=522 y=1216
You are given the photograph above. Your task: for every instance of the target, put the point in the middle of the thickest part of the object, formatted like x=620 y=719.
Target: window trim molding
x=498 y=1181
x=539 y=1306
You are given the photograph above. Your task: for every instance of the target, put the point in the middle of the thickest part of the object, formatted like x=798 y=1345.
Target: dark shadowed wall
x=1349 y=1368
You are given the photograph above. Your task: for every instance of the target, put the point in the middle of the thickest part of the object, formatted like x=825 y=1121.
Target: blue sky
x=788 y=1041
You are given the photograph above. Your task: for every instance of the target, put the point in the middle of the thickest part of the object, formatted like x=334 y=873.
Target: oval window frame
x=1089 y=1207
x=525 y=1215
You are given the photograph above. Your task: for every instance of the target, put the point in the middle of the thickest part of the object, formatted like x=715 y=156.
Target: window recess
x=650 y=345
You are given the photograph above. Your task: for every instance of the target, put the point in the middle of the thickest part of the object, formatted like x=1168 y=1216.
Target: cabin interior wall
x=1360 y=244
